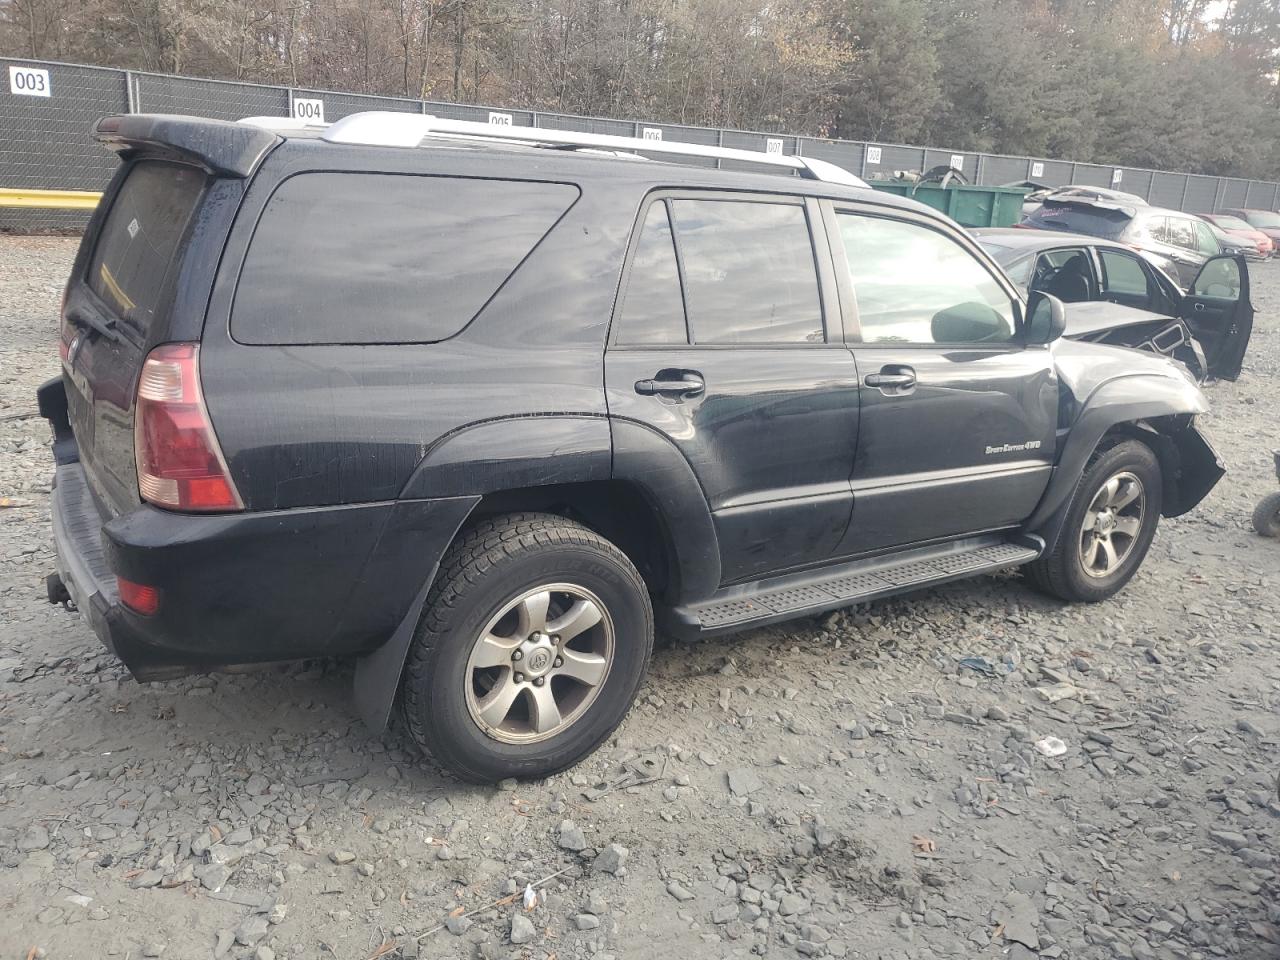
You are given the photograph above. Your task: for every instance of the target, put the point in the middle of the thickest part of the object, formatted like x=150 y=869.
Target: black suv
x=478 y=411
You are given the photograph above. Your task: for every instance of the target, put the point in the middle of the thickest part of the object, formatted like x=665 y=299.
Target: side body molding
x=652 y=463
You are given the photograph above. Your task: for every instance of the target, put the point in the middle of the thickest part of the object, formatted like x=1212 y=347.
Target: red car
x=1261 y=227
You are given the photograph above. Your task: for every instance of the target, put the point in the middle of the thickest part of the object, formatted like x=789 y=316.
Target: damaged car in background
x=1116 y=295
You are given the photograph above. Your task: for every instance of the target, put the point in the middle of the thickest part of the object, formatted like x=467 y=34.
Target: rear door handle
x=688 y=384
x=892 y=378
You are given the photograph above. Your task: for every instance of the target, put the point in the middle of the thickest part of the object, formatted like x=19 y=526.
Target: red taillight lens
x=180 y=465
x=137 y=597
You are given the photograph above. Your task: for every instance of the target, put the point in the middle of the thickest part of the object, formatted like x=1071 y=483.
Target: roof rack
x=388 y=129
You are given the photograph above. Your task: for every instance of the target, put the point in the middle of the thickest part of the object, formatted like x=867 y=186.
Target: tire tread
x=481 y=548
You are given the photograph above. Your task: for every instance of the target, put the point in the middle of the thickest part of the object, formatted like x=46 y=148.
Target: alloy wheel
x=539 y=663
x=1112 y=524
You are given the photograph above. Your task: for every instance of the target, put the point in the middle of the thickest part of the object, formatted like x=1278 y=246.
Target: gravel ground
x=850 y=787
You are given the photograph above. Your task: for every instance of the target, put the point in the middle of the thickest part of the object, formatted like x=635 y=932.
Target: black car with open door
x=1117 y=295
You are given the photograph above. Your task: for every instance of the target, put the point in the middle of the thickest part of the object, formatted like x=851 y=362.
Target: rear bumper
x=247 y=588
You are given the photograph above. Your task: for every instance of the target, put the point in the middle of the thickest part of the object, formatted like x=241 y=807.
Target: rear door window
x=385 y=258
x=749 y=271
x=652 y=305
x=139 y=240
x=1181 y=233
x=1125 y=281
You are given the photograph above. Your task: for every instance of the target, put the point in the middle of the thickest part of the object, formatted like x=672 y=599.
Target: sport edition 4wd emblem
x=1014 y=447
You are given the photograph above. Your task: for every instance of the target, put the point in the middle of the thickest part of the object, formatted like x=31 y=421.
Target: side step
x=812 y=592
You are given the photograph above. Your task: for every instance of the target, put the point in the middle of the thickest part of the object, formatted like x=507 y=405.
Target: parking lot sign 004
x=312 y=110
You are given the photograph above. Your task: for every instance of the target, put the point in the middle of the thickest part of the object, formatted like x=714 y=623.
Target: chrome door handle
x=689 y=385
x=884 y=381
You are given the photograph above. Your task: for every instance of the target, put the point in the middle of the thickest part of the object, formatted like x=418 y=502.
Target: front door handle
x=892 y=378
x=688 y=383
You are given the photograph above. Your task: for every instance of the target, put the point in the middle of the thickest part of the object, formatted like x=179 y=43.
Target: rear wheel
x=1109 y=526
x=535 y=639
x=1266 y=517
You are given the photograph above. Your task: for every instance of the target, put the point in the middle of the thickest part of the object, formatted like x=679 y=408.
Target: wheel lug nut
x=538 y=681
x=556 y=639
x=558 y=663
x=517 y=655
x=519 y=678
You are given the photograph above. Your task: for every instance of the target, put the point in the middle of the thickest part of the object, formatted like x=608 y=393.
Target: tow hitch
x=57 y=591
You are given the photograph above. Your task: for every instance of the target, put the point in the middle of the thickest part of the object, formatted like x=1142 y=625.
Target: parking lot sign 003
x=29 y=81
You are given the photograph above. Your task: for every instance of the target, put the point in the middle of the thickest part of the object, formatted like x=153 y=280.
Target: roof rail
x=388 y=129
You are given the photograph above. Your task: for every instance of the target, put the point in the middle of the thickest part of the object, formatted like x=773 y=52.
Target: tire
x=487 y=637
x=1266 y=516
x=1079 y=568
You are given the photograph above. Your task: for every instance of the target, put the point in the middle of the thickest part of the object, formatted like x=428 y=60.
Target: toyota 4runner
x=480 y=407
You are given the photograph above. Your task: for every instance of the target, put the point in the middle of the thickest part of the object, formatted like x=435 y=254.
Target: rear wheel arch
x=618 y=510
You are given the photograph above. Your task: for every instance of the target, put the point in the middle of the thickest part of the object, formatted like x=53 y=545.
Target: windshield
x=1080 y=218
x=1264 y=218
x=1230 y=223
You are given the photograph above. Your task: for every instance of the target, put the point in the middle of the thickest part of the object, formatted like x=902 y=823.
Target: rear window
x=385 y=258
x=1262 y=218
x=1079 y=218
x=140 y=236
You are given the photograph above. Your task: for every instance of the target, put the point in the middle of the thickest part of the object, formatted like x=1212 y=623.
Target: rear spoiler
x=1105 y=206
x=227 y=149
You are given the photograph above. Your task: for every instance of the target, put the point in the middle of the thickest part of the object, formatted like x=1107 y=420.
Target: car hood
x=1094 y=316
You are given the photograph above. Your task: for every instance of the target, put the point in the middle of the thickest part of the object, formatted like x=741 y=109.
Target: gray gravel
x=850 y=787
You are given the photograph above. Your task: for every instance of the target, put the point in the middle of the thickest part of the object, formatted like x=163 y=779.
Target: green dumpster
x=970 y=206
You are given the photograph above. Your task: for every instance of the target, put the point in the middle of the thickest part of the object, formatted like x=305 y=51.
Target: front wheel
x=533 y=644
x=1108 y=529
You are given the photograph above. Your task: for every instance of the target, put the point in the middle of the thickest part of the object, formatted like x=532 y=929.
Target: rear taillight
x=180 y=465
x=138 y=597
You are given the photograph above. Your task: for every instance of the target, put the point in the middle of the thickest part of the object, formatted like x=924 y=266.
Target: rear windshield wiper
x=104 y=328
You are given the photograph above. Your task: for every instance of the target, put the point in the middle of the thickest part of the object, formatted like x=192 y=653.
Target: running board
x=816 y=591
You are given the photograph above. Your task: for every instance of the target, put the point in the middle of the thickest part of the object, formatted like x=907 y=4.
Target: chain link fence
x=47 y=109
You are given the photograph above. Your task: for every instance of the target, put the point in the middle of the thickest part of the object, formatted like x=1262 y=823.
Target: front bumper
x=246 y=588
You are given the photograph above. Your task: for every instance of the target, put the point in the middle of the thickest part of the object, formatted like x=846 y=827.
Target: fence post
x=1217 y=190
x=1030 y=165
x=719 y=143
x=1275 y=195
x=862 y=172
x=1072 y=178
x=1186 y=182
x=533 y=117
x=130 y=97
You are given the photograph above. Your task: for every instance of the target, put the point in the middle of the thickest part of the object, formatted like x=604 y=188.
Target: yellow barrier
x=49 y=199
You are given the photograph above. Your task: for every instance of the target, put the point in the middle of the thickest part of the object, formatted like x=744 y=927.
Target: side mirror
x=1046 y=317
